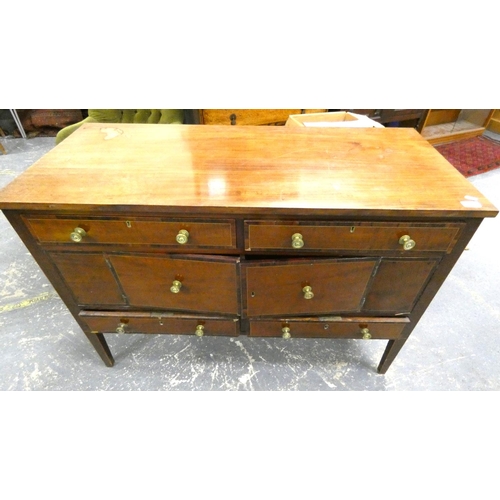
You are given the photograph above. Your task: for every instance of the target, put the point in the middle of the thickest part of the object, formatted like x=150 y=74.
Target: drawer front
x=219 y=234
x=397 y=285
x=330 y=327
x=179 y=283
x=306 y=287
x=159 y=323
x=356 y=236
x=90 y=278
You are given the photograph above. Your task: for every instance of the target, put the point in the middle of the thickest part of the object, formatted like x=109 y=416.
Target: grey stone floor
x=456 y=346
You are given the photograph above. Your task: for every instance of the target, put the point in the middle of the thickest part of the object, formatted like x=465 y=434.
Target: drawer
x=200 y=234
x=179 y=282
x=330 y=327
x=306 y=286
x=349 y=236
x=164 y=322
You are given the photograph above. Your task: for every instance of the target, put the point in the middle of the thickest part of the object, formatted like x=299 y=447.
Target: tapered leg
x=101 y=346
x=390 y=353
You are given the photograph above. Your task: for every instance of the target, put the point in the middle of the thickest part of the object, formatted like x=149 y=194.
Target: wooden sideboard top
x=271 y=170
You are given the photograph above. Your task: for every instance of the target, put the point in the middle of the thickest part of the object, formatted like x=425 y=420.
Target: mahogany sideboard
x=264 y=231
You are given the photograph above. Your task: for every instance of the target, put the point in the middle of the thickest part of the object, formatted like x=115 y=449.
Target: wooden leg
x=390 y=353
x=101 y=346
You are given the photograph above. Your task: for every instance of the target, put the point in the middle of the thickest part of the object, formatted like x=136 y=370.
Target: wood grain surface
x=387 y=171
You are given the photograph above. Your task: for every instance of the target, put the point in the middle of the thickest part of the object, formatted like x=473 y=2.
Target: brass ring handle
x=199 y=331
x=407 y=242
x=308 y=293
x=366 y=333
x=121 y=328
x=78 y=234
x=297 y=240
x=176 y=286
x=285 y=331
x=182 y=237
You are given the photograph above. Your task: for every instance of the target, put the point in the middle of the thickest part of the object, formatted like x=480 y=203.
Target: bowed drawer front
x=307 y=286
x=179 y=283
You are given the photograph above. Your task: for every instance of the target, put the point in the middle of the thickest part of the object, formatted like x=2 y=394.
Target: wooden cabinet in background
x=494 y=123
x=246 y=116
x=446 y=125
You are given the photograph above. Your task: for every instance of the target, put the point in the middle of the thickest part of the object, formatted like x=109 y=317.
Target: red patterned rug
x=472 y=156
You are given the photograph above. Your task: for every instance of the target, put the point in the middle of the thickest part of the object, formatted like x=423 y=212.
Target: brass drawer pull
x=297 y=241
x=308 y=293
x=78 y=234
x=121 y=328
x=407 y=242
x=366 y=333
x=176 y=286
x=286 y=332
x=183 y=237
x=199 y=331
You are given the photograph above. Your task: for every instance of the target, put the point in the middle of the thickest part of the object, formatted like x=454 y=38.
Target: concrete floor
x=456 y=346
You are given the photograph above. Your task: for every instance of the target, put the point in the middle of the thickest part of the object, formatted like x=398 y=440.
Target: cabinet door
x=179 y=283
x=398 y=284
x=89 y=277
x=309 y=286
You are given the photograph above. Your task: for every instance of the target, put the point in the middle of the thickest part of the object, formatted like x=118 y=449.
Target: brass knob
x=182 y=237
x=286 y=332
x=199 y=331
x=78 y=234
x=407 y=242
x=297 y=240
x=176 y=286
x=121 y=328
x=366 y=333
x=308 y=293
